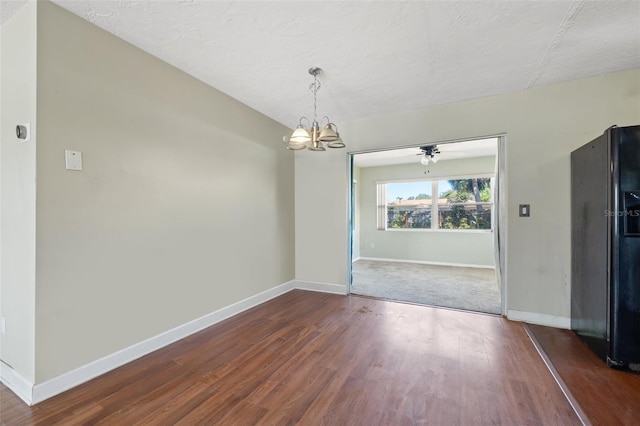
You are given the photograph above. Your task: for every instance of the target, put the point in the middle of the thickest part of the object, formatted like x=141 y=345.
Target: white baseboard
x=540 y=319
x=321 y=287
x=18 y=384
x=425 y=262
x=33 y=394
x=75 y=377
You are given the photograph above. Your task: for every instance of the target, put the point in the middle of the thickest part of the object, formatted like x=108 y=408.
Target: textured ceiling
x=378 y=57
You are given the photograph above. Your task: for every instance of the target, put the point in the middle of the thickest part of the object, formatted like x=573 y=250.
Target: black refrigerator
x=605 y=245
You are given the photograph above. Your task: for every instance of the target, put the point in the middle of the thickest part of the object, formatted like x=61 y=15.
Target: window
x=462 y=204
x=465 y=203
x=408 y=211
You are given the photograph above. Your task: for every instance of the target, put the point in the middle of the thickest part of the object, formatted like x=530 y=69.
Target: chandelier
x=312 y=137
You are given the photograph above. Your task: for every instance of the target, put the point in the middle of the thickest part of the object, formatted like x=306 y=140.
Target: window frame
x=382 y=208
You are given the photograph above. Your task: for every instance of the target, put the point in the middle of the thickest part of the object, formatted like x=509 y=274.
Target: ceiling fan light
x=300 y=135
x=424 y=160
x=435 y=158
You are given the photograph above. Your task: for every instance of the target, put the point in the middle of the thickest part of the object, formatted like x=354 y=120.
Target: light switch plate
x=524 y=210
x=3 y=325
x=73 y=159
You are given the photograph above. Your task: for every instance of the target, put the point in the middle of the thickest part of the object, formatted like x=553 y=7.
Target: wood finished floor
x=607 y=396
x=319 y=359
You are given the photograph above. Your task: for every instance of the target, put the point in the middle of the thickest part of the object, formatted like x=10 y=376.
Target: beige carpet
x=469 y=289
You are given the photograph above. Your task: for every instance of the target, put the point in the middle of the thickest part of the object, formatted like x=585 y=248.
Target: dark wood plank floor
x=313 y=358
x=607 y=396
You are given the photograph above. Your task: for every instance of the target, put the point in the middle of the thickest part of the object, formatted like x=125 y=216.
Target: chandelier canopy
x=312 y=137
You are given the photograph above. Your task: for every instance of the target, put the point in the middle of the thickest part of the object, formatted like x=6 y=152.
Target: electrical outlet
x=3 y=325
x=373 y=245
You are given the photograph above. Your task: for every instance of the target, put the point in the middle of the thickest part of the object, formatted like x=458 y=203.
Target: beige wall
x=184 y=206
x=542 y=126
x=17 y=191
x=321 y=226
x=462 y=247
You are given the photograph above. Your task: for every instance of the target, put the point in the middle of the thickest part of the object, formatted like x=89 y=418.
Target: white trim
x=540 y=319
x=461 y=231
x=582 y=416
x=426 y=262
x=100 y=366
x=483 y=175
x=18 y=384
x=503 y=218
x=356 y=259
x=33 y=394
x=321 y=287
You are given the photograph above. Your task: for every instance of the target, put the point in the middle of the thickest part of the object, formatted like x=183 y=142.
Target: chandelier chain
x=314 y=87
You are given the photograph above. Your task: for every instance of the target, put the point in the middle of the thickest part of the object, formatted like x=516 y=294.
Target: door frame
x=500 y=208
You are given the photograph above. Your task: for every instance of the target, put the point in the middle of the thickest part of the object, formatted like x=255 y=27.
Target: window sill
x=455 y=231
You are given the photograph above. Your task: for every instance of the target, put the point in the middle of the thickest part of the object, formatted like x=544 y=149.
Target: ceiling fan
x=429 y=153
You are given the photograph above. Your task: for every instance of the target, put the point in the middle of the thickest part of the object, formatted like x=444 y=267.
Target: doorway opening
x=426 y=224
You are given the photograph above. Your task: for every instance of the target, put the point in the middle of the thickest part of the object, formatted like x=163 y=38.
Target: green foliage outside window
x=461 y=215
